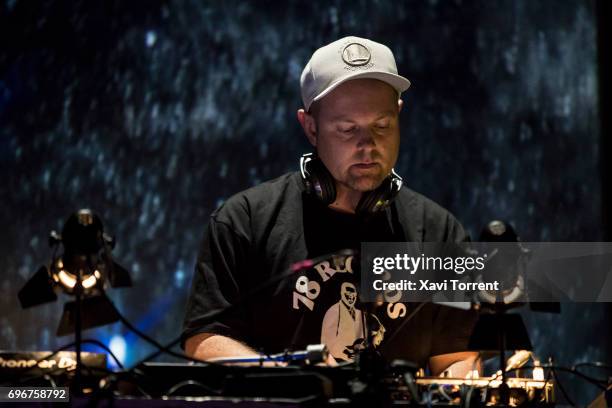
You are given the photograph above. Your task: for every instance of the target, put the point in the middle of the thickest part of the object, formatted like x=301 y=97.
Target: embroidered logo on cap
x=355 y=54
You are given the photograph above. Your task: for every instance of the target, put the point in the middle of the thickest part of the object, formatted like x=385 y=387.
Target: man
x=343 y=324
x=345 y=194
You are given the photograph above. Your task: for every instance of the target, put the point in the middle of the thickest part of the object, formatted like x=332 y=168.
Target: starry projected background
x=152 y=113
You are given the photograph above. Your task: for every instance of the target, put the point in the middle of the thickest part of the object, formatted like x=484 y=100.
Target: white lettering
x=395 y=310
x=468 y=286
x=325 y=270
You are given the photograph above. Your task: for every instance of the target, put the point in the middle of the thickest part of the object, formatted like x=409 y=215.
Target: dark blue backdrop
x=152 y=113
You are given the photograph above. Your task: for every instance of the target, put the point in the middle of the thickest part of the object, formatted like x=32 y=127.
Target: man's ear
x=400 y=104
x=309 y=125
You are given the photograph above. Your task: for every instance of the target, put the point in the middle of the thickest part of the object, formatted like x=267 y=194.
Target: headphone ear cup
x=381 y=197
x=317 y=178
x=368 y=201
x=323 y=184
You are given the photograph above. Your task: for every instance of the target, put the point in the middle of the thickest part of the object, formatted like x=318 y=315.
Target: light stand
x=78 y=293
x=81 y=271
x=509 y=330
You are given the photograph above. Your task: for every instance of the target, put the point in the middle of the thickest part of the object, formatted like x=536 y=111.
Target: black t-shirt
x=258 y=235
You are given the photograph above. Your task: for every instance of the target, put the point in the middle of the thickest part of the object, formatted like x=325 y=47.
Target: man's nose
x=366 y=137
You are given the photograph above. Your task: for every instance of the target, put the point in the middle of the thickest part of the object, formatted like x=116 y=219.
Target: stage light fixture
x=81 y=271
x=84 y=270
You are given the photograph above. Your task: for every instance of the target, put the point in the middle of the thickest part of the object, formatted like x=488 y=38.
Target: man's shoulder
x=413 y=201
x=260 y=198
x=429 y=220
x=273 y=188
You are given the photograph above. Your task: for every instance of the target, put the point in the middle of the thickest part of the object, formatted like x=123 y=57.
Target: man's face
x=357 y=134
x=348 y=294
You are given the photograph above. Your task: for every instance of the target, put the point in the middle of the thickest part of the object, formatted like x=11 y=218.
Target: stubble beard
x=364 y=183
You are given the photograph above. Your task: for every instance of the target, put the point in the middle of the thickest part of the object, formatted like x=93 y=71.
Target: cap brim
x=398 y=82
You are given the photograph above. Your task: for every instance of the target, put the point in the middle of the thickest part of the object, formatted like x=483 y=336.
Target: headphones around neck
x=319 y=182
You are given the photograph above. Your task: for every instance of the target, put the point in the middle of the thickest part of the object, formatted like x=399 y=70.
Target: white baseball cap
x=345 y=59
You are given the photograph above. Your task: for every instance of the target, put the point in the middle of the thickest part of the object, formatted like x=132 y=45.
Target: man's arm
x=206 y=346
x=209 y=346
x=217 y=286
x=458 y=364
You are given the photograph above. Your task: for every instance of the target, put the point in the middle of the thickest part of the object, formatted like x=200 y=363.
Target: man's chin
x=364 y=184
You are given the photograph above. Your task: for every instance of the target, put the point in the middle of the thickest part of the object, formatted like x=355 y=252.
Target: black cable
x=595 y=381
x=595 y=364
x=130 y=376
x=565 y=394
x=106 y=348
x=186 y=383
x=160 y=348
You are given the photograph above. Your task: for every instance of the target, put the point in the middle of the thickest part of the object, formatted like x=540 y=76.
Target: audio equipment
x=320 y=183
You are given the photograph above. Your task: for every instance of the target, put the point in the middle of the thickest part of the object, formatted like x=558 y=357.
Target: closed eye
x=347 y=129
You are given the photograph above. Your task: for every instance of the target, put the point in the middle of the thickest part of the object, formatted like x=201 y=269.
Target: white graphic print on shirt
x=340 y=318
